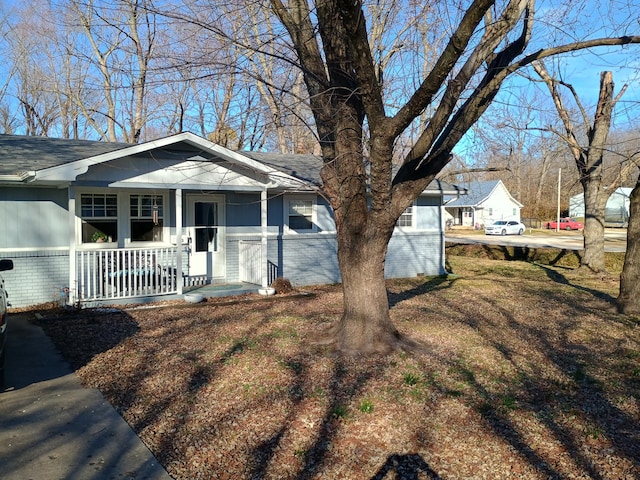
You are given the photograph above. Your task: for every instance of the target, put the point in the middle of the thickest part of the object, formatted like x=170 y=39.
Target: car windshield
x=500 y=222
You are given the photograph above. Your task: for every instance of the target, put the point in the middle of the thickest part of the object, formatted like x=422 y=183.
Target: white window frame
x=81 y=218
x=165 y=229
x=123 y=219
x=410 y=213
x=288 y=199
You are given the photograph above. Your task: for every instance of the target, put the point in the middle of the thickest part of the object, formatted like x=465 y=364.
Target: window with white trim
x=146 y=217
x=300 y=215
x=406 y=219
x=99 y=215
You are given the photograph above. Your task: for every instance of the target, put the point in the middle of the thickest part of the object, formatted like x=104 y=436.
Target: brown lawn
x=530 y=374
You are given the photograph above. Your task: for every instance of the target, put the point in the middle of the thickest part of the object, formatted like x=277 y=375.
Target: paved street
x=615 y=239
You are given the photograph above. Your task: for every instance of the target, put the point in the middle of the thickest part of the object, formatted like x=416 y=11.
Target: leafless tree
x=628 y=300
x=121 y=40
x=589 y=159
x=332 y=44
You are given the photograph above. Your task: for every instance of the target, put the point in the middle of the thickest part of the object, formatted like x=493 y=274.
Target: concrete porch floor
x=222 y=289
x=207 y=291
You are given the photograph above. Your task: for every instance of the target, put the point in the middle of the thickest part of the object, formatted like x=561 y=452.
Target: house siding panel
x=429 y=213
x=414 y=253
x=37 y=277
x=33 y=218
x=308 y=259
x=243 y=211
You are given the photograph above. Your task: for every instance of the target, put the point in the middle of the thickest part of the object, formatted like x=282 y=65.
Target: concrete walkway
x=52 y=428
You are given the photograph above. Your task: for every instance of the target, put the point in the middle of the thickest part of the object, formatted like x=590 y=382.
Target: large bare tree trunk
x=595 y=202
x=629 y=298
x=365 y=326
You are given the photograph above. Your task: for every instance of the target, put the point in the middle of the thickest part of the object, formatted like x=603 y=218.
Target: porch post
x=179 y=240
x=73 y=281
x=263 y=231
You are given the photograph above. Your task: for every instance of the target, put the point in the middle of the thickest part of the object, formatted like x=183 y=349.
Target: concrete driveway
x=615 y=239
x=52 y=428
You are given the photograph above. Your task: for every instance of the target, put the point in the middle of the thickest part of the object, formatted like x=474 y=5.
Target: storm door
x=205 y=228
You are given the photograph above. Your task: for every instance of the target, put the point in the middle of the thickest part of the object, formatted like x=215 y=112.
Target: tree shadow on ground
x=534 y=395
x=558 y=277
x=430 y=285
x=80 y=336
x=583 y=397
x=406 y=467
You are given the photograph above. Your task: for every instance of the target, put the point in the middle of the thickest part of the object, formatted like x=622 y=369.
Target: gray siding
x=414 y=253
x=33 y=218
x=37 y=277
x=242 y=211
x=308 y=259
x=428 y=213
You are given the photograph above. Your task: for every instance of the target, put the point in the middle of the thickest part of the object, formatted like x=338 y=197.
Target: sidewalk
x=52 y=428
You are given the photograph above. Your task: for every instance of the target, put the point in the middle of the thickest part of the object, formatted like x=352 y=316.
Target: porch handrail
x=115 y=273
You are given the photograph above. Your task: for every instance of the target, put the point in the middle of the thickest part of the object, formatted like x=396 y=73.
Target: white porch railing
x=126 y=272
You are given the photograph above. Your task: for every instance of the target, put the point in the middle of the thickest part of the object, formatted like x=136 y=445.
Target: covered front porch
x=162 y=218
x=122 y=275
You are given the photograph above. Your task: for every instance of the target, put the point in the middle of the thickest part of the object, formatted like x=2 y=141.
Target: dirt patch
x=531 y=374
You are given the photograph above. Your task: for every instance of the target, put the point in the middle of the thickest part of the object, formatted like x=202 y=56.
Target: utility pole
x=558 y=211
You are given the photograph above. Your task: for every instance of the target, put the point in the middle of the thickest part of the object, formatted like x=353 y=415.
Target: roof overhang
x=69 y=172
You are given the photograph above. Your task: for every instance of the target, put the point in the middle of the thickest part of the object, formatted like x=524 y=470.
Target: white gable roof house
x=616 y=210
x=484 y=203
x=90 y=223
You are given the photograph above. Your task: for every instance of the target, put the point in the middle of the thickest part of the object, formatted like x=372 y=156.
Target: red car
x=566 y=224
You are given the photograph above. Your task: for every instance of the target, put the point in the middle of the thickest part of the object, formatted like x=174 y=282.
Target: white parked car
x=505 y=227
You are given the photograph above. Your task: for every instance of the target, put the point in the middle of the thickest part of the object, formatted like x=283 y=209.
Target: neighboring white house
x=484 y=203
x=617 y=209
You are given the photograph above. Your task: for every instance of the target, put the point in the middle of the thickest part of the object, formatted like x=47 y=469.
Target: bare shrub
x=282 y=285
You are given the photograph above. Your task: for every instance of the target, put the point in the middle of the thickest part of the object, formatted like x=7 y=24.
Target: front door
x=205 y=228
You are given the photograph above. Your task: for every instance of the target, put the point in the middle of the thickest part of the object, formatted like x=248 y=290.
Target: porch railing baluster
x=110 y=274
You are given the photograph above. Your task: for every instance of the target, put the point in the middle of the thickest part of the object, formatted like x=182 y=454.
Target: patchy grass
x=531 y=374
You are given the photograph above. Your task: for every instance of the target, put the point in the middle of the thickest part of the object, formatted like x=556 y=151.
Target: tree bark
x=629 y=298
x=595 y=202
x=365 y=325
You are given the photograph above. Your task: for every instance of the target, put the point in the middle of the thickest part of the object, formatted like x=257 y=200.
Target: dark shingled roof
x=20 y=154
x=477 y=192
x=303 y=166
x=307 y=167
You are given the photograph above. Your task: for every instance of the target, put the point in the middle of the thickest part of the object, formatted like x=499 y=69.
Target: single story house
x=616 y=210
x=484 y=203
x=93 y=223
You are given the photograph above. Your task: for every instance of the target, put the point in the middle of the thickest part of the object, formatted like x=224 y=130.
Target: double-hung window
x=406 y=219
x=146 y=216
x=99 y=213
x=300 y=213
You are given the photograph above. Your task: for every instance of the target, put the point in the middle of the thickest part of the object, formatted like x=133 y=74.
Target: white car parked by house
x=505 y=227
